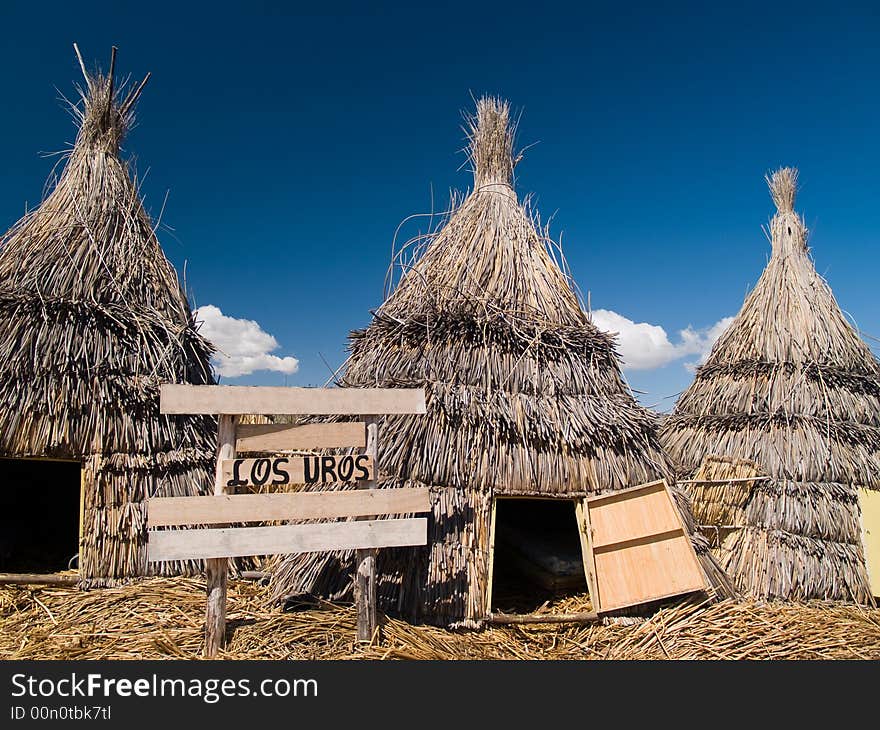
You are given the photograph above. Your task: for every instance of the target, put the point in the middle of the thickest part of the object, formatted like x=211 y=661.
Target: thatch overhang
x=92 y=320
x=525 y=395
x=791 y=387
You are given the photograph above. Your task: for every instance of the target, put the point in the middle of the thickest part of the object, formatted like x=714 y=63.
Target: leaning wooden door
x=640 y=550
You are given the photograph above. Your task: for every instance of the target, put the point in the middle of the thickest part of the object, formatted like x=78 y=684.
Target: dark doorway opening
x=537 y=554
x=39 y=515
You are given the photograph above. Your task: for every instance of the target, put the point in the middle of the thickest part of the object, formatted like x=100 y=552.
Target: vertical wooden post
x=365 y=560
x=215 y=568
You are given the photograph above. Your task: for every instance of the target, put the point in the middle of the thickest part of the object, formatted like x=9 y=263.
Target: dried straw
x=164 y=619
x=791 y=387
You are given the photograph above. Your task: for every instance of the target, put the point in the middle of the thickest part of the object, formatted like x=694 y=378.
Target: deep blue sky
x=291 y=143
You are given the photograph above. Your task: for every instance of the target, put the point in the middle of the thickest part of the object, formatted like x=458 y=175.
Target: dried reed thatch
x=92 y=320
x=791 y=387
x=163 y=618
x=525 y=395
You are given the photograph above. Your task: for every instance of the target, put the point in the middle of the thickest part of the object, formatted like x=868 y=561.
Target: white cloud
x=242 y=345
x=645 y=346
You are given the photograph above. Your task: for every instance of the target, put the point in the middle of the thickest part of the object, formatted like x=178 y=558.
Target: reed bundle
x=524 y=394
x=92 y=320
x=163 y=618
x=791 y=387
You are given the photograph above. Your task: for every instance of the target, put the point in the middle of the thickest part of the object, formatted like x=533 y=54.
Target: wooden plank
x=628 y=492
x=285 y=539
x=245 y=399
x=365 y=558
x=283 y=506
x=869 y=503
x=43 y=579
x=275 y=437
x=491 y=578
x=280 y=470
x=632 y=514
x=580 y=511
x=647 y=571
x=639 y=540
x=215 y=567
x=586 y=617
x=639 y=548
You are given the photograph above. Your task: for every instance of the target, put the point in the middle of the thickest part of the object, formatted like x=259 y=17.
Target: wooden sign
x=363 y=536
x=237 y=542
x=640 y=550
x=282 y=470
x=275 y=437
x=227 y=508
x=243 y=399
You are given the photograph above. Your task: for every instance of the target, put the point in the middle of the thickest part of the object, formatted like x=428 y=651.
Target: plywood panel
x=647 y=569
x=218 y=510
x=275 y=437
x=870 y=504
x=263 y=400
x=633 y=513
x=285 y=539
x=640 y=550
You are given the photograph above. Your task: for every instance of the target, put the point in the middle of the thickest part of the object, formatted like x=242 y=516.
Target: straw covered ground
x=162 y=618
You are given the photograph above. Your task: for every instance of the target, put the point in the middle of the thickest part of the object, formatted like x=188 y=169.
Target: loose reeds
x=163 y=618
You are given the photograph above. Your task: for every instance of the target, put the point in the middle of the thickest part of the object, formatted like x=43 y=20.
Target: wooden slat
x=869 y=503
x=215 y=568
x=647 y=571
x=48 y=579
x=282 y=506
x=281 y=470
x=365 y=558
x=244 y=399
x=275 y=437
x=586 y=617
x=628 y=515
x=285 y=539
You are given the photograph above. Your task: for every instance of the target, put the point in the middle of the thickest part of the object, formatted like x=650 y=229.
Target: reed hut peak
x=92 y=320
x=783 y=424
x=525 y=398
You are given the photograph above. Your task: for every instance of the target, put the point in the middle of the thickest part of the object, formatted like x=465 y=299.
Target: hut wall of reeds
x=92 y=320
x=525 y=395
x=791 y=387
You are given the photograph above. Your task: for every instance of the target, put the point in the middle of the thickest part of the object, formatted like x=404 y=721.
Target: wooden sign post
x=215 y=568
x=366 y=534
x=365 y=560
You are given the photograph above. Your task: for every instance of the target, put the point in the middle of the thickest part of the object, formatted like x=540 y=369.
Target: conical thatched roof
x=791 y=387
x=92 y=320
x=524 y=394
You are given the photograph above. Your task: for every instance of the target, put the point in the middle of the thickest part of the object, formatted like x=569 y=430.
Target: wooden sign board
x=639 y=548
x=223 y=509
x=363 y=535
x=239 y=542
x=262 y=400
x=277 y=437
x=281 y=470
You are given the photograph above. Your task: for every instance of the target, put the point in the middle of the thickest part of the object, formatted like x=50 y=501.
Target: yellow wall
x=870 y=501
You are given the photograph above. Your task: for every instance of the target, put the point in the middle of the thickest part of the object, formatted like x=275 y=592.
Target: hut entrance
x=39 y=515
x=536 y=553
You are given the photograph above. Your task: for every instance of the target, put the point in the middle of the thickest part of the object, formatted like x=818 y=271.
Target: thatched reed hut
x=525 y=399
x=783 y=421
x=92 y=320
